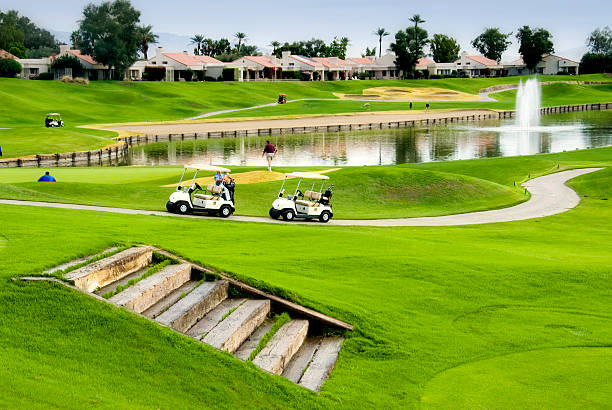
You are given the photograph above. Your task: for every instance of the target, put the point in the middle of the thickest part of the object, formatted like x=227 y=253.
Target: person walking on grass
x=269 y=151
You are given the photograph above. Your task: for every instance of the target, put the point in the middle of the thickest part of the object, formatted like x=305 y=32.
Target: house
x=335 y=68
x=257 y=68
x=5 y=54
x=386 y=69
x=93 y=69
x=311 y=69
x=361 y=65
x=550 y=65
x=32 y=67
x=473 y=66
x=176 y=64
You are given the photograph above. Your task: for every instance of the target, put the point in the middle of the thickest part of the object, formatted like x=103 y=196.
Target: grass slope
x=359 y=193
x=423 y=300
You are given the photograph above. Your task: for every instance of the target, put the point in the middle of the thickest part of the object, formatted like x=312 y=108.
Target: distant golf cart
x=282 y=99
x=53 y=120
x=215 y=199
x=312 y=205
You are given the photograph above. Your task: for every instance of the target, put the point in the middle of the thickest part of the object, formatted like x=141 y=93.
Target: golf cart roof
x=53 y=113
x=306 y=175
x=204 y=167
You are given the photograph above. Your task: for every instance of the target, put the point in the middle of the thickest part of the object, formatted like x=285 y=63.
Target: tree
x=408 y=46
x=275 y=45
x=380 y=32
x=492 y=43
x=10 y=35
x=69 y=61
x=600 y=41
x=533 y=45
x=9 y=67
x=109 y=33
x=146 y=37
x=198 y=40
x=444 y=49
x=241 y=37
x=369 y=52
x=27 y=38
x=75 y=38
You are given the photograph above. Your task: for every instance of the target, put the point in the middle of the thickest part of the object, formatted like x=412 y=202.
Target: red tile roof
x=306 y=60
x=6 y=54
x=361 y=60
x=327 y=62
x=425 y=61
x=207 y=59
x=483 y=60
x=261 y=60
x=183 y=58
x=84 y=57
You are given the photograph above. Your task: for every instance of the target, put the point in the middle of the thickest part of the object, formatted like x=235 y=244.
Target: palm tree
x=381 y=32
x=240 y=37
x=416 y=19
x=75 y=38
x=198 y=40
x=275 y=45
x=146 y=37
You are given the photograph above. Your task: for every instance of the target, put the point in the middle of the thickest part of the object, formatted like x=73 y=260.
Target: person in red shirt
x=269 y=151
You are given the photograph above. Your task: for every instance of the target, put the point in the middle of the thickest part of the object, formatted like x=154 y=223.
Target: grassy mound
x=359 y=193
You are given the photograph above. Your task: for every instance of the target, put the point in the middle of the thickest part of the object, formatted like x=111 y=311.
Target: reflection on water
x=436 y=143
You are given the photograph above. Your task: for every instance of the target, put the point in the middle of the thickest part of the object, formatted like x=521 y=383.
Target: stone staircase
x=175 y=294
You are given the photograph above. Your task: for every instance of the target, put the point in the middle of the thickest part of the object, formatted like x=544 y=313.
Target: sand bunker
x=251 y=177
x=411 y=94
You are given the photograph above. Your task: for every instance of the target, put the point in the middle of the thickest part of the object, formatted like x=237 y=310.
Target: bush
x=304 y=76
x=207 y=78
x=231 y=74
x=69 y=61
x=188 y=74
x=200 y=75
x=436 y=76
x=462 y=74
x=45 y=76
x=9 y=67
x=154 y=73
x=77 y=80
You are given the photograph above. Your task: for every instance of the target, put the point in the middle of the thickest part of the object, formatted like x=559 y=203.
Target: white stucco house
x=176 y=64
x=550 y=65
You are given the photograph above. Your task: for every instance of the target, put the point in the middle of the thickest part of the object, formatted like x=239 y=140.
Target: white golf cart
x=215 y=199
x=53 y=120
x=314 y=204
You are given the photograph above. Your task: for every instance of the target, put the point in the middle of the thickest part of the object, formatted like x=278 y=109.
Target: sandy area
x=411 y=94
x=306 y=121
x=251 y=177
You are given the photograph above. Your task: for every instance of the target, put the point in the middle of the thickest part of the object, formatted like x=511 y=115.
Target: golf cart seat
x=315 y=196
x=215 y=190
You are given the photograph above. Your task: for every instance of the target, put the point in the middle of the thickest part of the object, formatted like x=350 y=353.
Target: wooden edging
x=312 y=314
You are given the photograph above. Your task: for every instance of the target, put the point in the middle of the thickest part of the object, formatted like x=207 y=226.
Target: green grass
x=25 y=104
x=359 y=193
x=496 y=316
x=152 y=270
x=279 y=321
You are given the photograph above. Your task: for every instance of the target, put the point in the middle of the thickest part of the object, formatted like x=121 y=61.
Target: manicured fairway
x=436 y=310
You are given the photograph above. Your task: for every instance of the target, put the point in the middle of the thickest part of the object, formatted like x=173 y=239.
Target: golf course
x=488 y=315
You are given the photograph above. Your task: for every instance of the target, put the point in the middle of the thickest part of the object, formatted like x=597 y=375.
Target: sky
x=262 y=21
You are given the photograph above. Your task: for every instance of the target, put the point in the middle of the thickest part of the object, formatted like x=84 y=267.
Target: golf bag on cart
x=231 y=185
x=326 y=197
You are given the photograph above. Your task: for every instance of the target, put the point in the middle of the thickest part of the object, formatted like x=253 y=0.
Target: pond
x=494 y=138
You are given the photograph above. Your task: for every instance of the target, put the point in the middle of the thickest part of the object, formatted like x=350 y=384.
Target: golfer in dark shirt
x=269 y=151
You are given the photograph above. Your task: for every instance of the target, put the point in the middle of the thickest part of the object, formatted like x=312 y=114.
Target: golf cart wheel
x=274 y=213
x=325 y=216
x=170 y=207
x=225 y=211
x=288 y=215
x=183 y=208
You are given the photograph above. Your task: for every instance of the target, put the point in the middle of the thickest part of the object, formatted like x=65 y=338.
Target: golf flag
x=0 y=151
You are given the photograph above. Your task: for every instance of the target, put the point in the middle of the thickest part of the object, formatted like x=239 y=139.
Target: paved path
x=549 y=196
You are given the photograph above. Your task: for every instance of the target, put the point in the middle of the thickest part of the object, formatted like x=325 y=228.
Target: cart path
x=549 y=196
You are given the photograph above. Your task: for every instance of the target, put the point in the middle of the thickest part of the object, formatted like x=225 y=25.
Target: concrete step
x=79 y=260
x=229 y=334
x=212 y=318
x=245 y=349
x=151 y=290
x=280 y=349
x=295 y=369
x=108 y=270
x=121 y=282
x=163 y=305
x=322 y=363
x=188 y=310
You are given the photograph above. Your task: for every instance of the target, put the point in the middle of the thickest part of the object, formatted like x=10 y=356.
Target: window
x=153 y=62
x=384 y=73
x=164 y=62
x=34 y=71
x=467 y=63
x=291 y=64
x=458 y=63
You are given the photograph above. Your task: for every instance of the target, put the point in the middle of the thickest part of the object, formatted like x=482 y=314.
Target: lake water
x=562 y=132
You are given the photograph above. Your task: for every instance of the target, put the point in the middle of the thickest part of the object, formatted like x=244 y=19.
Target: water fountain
x=528 y=99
